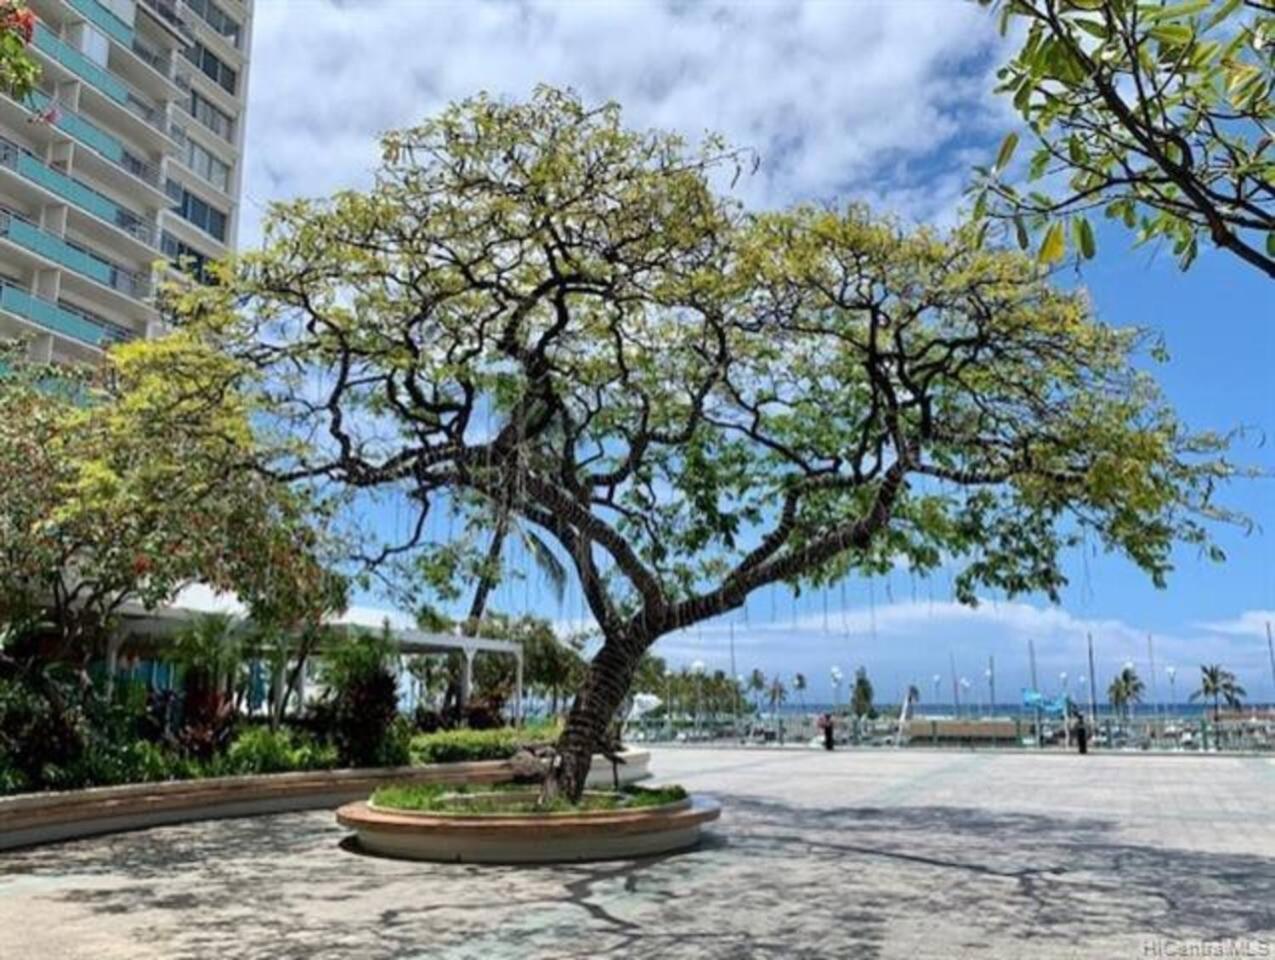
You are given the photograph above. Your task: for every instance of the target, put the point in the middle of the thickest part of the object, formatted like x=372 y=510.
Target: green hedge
x=459 y=746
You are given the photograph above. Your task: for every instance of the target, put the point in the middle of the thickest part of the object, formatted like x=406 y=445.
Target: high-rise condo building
x=128 y=153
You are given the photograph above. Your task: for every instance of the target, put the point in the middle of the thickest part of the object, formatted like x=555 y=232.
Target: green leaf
x=1084 y=237
x=1020 y=230
x=1172 y=34
x=1270 y=243
x=1006 y=152
x=1054 y=246
x=1175 y=12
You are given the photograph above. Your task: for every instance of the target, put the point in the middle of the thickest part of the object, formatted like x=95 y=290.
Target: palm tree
x=778 y=694
x=1220 y=685
x=799 y=684
x=757 y=685
x=1126 y=690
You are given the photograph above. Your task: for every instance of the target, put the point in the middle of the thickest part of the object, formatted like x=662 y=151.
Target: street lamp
x=1173 y=673
x=991 y=692
x=836 y=675
x=965 y=685
x=938 y=680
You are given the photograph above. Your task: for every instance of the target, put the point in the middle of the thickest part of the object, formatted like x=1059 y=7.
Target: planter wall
x=36 y=818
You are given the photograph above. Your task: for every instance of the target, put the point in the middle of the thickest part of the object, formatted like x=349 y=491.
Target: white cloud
x=1250 y=623
x=878 y=99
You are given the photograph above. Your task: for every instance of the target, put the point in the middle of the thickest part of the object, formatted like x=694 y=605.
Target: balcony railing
x=83 y=196
x=60 y=318
x=98 y=76
x=167 y=12
x=80 y=65
x=72 y=256
x=99 y=140
x=104 y=19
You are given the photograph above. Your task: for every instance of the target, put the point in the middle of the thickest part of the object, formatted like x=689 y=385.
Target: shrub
x=363 y=703
x=262 y=750
x=457 y=746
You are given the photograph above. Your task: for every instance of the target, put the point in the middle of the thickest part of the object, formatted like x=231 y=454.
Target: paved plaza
x=899 y=854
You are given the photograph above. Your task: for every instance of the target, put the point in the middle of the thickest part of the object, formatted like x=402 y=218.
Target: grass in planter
x=457 y=746
x=520 y=798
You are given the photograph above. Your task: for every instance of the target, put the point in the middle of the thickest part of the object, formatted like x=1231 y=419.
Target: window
x=218 y=121
x=207 y=166
x=199 y=212
x=216 y=18
x=185 y=257
x=212 y=66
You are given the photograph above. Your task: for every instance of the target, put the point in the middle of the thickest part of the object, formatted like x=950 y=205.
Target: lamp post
x=739 y=686
x=991 y=691
x=938 y=680
x=1172 y=671
x=1062 y=683
x=965 y=685
x=835 y=674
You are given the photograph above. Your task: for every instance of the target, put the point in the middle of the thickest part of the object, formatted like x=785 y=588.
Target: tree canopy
x=18 y=72
x=1159 y=115
x=538 y=312
x=128 y=483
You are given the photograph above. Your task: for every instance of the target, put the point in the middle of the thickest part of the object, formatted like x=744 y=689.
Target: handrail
x=109 y=83
x=117 y=153
x=10 y=156
x=24 y=303
x=127 y=281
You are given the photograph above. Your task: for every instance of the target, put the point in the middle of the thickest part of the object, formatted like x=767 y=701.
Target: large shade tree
x=539 y=313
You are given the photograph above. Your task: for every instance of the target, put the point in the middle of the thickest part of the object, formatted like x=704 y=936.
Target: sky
x=887 y=102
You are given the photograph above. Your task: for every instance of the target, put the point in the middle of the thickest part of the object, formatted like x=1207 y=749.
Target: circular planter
x=567 y=836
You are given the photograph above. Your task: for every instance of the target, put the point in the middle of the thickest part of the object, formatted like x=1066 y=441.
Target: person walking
x=826 y=725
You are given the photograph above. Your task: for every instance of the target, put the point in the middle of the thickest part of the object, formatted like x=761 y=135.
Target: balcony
x=80 y=65
x=167 y=13
x=105 y=20
x=99 y=140
x=26 y=234
x=59 y=318
x=85 y=197
x=100 y=78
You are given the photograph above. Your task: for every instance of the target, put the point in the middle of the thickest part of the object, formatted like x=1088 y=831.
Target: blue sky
x=888 y=102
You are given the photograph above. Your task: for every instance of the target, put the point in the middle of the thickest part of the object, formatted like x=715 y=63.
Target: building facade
x=128 y=154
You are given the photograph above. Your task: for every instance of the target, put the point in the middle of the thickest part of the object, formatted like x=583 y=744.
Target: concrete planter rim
x=530 y=818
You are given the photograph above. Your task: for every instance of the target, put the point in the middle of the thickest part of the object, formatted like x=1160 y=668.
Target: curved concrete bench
x=529 y=838
x=35 y=818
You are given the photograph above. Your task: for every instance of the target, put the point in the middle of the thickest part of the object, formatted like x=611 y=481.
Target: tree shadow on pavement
x=771 y=880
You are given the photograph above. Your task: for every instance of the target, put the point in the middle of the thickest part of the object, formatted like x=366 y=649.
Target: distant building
x=129 y=153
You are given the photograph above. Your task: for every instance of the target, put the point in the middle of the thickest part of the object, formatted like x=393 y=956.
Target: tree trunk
x=605 y=687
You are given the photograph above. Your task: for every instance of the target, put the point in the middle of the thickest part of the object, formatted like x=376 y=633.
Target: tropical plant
x=1126 y=689
x=778 y=694
x=363 y=701
x=757 y=686
x=18 y=71
x=861 y=694
x=1219 y=685
x=1159 y=115
x=537 y=310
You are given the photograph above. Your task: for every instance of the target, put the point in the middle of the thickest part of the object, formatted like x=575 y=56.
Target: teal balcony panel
x=80 y=65
x=69 y=189
x=112 y=25
x=53 y=317
x=79 y=128
x=56 y=249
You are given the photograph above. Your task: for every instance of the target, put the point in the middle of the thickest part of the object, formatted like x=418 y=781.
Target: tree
x=778 y=695
x=1220 y=685
x=536 y=309
x=125 y=485
x=861 y=694
x=1159 y=115
x=18 y=72
x=757 y=686
x=799 y=684
x=1126 y=689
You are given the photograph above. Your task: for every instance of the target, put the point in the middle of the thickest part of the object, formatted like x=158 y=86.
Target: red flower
x=20 y=20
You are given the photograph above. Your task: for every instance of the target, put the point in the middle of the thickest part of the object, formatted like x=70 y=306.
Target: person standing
x=1082 y=734
x=826 y=725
